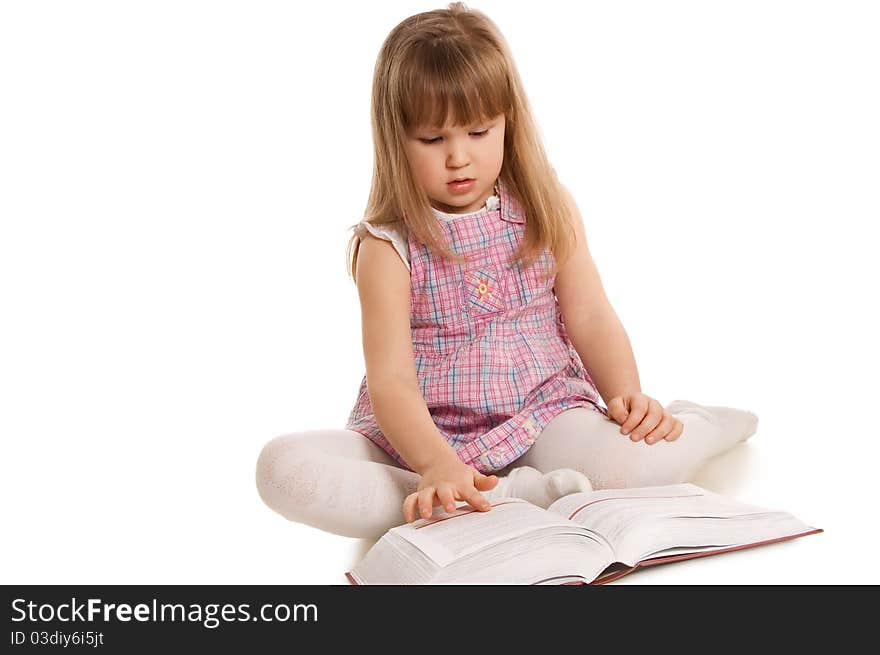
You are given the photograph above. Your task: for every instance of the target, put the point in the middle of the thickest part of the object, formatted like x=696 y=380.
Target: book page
x=587 y=502
x=649 y=521
x=388 y=563
x=450 y=536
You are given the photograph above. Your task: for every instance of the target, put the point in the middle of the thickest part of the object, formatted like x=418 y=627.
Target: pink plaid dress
x=492 y=356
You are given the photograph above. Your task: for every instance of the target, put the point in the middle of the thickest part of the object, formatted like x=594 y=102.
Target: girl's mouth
x=461 y=186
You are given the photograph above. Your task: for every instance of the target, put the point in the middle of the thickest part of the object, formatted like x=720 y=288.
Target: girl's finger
x=677 y=429
x=650 y=422
x=476 y=500
x=637 y=411
x=426 y=502
x=664 y=427
x=446 y=499
x=485 y=482
x=617 y=409
x=409 y=507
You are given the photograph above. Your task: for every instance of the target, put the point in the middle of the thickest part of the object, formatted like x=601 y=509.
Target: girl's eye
x=437 y=138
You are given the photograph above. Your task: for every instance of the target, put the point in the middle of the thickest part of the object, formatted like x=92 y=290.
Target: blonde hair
x=456 y=60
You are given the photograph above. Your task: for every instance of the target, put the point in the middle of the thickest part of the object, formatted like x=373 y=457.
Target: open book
x=583 y=538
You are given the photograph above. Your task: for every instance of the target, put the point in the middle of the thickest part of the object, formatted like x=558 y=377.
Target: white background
x=177 y=180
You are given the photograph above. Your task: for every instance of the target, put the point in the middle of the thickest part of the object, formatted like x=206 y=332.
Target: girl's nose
x=457 y=157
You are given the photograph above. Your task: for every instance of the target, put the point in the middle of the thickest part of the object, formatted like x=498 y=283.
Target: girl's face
x=440 y=156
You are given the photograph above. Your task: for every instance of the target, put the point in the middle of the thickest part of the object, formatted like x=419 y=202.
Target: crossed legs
x=341 y=482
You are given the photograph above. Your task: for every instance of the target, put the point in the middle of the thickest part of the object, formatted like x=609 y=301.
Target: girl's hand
x=644 y=417
x=445 y=482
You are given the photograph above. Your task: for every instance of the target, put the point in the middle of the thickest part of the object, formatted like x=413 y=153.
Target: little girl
x=470 y=256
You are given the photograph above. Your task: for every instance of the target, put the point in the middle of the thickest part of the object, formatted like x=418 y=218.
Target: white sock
x=736 y=424
x=538 y=488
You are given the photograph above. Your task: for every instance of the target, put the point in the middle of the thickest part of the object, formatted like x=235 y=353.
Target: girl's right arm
x=384 y=289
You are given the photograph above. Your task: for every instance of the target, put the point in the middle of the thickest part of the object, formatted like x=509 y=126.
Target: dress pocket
x=482 y=290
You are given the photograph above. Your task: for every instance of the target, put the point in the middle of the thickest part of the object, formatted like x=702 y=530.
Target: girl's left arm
x=603 y=345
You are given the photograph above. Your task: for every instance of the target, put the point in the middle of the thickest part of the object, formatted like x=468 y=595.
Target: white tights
x=341 y=482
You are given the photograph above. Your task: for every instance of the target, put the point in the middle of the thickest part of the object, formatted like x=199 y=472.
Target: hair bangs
x=448 y=85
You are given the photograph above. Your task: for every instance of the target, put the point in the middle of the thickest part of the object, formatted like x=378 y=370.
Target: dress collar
x=510 y=209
